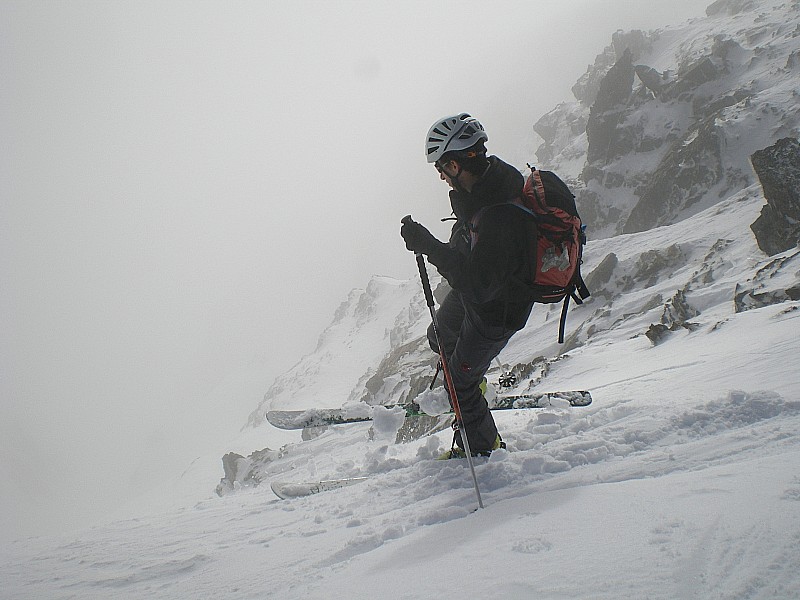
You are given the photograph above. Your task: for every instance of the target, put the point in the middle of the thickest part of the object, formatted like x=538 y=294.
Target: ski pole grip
x=426 y=283
x=423 y=272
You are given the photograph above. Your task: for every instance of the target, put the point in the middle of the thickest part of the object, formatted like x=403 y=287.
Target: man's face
x=447 y=171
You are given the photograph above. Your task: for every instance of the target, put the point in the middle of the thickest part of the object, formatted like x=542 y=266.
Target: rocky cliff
x=664 y=122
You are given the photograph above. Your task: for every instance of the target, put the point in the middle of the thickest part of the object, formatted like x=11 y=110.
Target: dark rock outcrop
x=609 y=110
x=653 y=80
x=683 y=178
x=677 y=312
x=778 y=170
x=635 y=42
x=776 y=281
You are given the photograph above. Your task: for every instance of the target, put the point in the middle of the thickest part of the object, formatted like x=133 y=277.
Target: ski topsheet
x=359 y=413
x=285 y=490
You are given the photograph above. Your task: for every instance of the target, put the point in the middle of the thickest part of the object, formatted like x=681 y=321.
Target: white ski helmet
x=451 y=134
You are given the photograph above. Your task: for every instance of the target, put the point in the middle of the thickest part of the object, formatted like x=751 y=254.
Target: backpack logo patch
x=555 y=260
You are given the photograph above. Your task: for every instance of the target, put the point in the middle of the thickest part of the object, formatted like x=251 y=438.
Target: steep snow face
x=665 y=122
x=370 y=324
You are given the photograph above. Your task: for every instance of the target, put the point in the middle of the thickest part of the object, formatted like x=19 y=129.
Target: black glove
x=417 y=237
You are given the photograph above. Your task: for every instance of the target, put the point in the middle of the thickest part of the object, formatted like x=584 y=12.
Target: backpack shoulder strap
x=472 y=224
x=534 y=189
x=578 y=292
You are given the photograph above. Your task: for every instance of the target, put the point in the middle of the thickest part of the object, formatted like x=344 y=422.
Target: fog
x=189 y=190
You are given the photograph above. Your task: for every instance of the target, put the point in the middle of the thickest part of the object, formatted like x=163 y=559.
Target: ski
x=286 y=490
x=321 y=417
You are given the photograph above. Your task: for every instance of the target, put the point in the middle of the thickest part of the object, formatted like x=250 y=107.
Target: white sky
x=188 y=190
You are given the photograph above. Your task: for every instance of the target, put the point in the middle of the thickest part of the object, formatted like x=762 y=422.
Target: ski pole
x=426 y=288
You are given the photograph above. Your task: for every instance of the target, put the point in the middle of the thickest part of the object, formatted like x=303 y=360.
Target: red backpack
x=554 y=272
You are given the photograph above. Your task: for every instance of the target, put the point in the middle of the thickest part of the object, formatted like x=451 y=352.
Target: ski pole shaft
x=426 y=288
x=426 y=284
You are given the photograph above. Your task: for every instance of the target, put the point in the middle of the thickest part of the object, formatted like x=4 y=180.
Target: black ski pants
x=470 y=345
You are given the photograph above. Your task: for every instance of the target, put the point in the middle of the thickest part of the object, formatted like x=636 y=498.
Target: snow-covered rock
x=670 y=118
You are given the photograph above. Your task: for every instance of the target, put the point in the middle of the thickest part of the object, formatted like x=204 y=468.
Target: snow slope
x=680 y=481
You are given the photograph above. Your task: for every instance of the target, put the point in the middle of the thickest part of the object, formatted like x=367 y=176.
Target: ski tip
x=277 y=488
x=285 y=490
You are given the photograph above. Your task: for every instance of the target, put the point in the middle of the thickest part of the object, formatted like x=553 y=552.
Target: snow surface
x=681 y=480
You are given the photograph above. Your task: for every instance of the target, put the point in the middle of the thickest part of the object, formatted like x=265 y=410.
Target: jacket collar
x=500 y=183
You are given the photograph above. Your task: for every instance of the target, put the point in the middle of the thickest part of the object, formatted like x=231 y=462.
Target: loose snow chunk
x=386 y=421
x=353 y=410
x=434 y=402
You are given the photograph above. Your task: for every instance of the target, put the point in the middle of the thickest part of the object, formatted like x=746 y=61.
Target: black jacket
x=485 y=274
